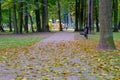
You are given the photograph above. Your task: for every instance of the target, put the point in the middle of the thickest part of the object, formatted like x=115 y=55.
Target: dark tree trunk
x=81 y=14
x=20 y=17
x=96 y=15
x=90 y=16
x=45 y=26
x=59 y=15
x=1 y=28
x=115 y=9
x=85 y=13
x=26 y=20
x=97 y=23
x=105 y=15
x=76 y=15
x=15 y=19
x=37 y=13
x=10 y=26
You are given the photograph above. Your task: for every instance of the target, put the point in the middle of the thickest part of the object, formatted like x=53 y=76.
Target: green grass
x=95 y=36
x=17 y=41
x=116 y=35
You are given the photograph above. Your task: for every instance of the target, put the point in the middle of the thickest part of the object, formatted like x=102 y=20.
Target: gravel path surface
x=50 y=59
x=61 y=36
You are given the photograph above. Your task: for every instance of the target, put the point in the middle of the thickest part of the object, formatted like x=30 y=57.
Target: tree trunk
x=85 y=13
x=96 y=15
x=105 y=15
x=1 y=28
x=81 y=14
x=45 y=26
x=115 y=9
x=59 y=16
x=20 y=17
x=26 y=20
x=90 y=16
x=37 y=13
x=76 y=15
x=10 y=26
x=97 y=22
x=15 y=19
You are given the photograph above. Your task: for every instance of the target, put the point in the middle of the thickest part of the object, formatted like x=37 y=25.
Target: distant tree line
x=20 y=13
x=87 y=13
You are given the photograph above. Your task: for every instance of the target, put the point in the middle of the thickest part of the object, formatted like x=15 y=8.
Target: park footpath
x=47 y=61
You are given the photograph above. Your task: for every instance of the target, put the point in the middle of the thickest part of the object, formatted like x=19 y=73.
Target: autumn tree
x=105 y=17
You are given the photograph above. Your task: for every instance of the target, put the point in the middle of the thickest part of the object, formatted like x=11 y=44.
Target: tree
x=45 y=26
x=37 y=14
x=15 y=18
x=90 y=16
x=1 y=28
x=115 y=10
x=76 y=14
x=59 y=14
x=28 y=7
x=10 y=26
x=81 y=17
x=96 y=9
x=31 y=21
x=20 y=17
x=85 y=13
x=105 y=17
x=26 y=19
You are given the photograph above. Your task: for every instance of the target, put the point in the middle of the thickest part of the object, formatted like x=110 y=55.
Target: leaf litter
x=71 y=60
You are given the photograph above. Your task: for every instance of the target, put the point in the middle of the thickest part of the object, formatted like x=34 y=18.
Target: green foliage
x=52 y=7
x=5 y=16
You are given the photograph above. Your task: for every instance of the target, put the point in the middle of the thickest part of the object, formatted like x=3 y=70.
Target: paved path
x=48 y=61
x=60 y=36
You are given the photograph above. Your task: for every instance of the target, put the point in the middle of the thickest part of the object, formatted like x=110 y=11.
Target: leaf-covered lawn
x=73 y=60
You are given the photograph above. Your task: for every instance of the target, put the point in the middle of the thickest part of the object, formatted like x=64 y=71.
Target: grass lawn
x=17 y=41
x=95 y=36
